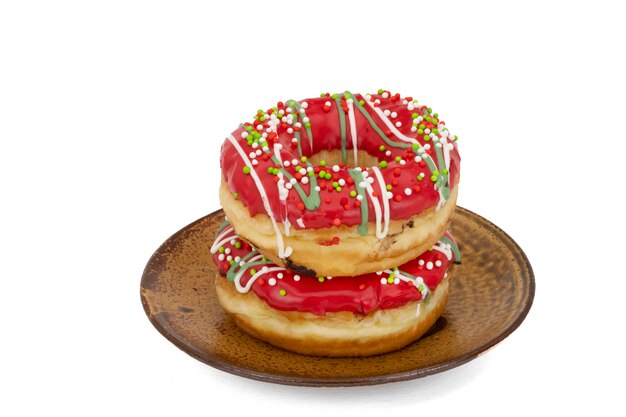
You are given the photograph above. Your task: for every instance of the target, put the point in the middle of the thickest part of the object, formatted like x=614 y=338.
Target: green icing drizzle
x=224 y=224
x=454 y=247
x=295 y=106
x=311 y=201
x=358 y=178
x=236 y=267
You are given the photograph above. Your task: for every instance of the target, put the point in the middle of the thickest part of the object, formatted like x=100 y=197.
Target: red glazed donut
x=335 y=316
x=343 y=184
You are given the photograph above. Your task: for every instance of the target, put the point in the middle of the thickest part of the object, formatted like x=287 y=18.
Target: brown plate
x=491 y=293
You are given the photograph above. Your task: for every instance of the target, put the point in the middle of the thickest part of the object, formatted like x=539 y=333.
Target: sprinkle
x=236 y=195
x=353 y=193
x=221 y=257
x=437 y=263
x=381 y=148
x=398 y=124
x=408 y=191
x=282 y=292
x=429 y=265
x=383 y=280
x=320 y=279
x=296 y=277
x=246 y=170
x=394 y=115
x=359 y=197
x=342 y=182
x=382 y=164
x=388 y=153
x=272 y=281
x=420 y=262
x=280 y=275
x=335 y=168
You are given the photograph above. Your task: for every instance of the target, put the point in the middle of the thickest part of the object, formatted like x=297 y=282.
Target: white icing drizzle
x=444 y=248
x=353 y=130
x=385 y=212
x=300 y=222
x=283 y=192
x=221 y=239
x=417 y=282
x=282 y=251
x=389 y=123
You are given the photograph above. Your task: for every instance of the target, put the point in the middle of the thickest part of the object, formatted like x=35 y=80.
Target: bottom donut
x=332 y=316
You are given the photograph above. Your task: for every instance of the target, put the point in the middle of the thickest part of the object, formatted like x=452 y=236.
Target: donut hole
x=334 y=157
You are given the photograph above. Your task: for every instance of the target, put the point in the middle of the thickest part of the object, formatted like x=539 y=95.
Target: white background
x=111 y=118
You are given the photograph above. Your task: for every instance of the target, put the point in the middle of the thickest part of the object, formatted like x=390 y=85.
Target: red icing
x=338 y=207
x=360 y=295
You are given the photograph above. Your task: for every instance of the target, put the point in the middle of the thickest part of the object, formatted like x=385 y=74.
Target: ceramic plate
x=491 y=293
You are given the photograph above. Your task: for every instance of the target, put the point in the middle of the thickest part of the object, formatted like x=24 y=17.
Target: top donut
x=268 y=163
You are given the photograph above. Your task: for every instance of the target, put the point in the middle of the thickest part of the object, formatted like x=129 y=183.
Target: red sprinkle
x=397 y=197
x=336 y=222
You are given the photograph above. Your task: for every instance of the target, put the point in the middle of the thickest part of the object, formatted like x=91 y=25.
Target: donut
x=332 y=316
x=341 y=184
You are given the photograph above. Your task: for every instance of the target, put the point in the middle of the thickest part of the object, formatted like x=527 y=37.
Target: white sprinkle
x=233 y=241
x=229 y=258
x=404 y=102
x=327 y=104
x=296 y=277
x=288 y=186
x=305 y=119
x=385 y=95
x=293 y=181
x=304 y=105
x=408 y=191
x=268 y=130
x=259 y=127
x=394 y=115
x=221 y=257
x=252 y=155
x=255 y=145
x=294 y=161
x=290 y=131
x=278 y=146
x=413 y=129
x=237 y=258
x=429 y=265
x=329 y=277
x=359 y=197
x=265 y=149
x=279 y=275
x=388 y=153
x=418 y=159
x=402 y=162
x=318 y=188
x=450 y=146
x=244 y=134
x=335 y=168
x=383 y=281
x=309 y=169
x=387 y=112
x=389 y=195
x=342 y=182
x=437 y=263
x=255 y=162
x=258 y=152
x=227 y=251
x=365 y=174
x=265 y=268
x=379 y=272
x=410 y=107
x=396 y=280
x=272 y=281
x=420 y=262
x=398 y=124
x=304 y=180
x=289 y=109
x=427 y=130
x=427 y=146
x=377 y=101
x=438 y=145
x=287 y=163
x=349 y=101
x=370 y=180
x=302 y=171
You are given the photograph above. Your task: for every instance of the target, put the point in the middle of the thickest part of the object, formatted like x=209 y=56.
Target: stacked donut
x=336 y=241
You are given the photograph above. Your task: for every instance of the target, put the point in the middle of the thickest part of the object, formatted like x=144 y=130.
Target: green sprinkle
x=322 y=163
x=221 y=249
x=416 y=146
x=420 y=177
x=390 y=279
x=322 y=95
x=270 y=170
x=236 y=195
x=275 y=171
x=264 y=259
x=232 y=262
x=238 y=244
x=421 y=288
x=422 y=126
x=252 y=271
x=426 y=138
x=310 y=173
x=362 y=102
x=382 y=164
x=352 y=193
x=347 y=95
x=414 y=116
x=297 y=168
x=436 y=116
x=320 y=279
x=338 y=189
x=456 y=138
x=433 y=178
x=398 y=159
x=388 y=187
x=303 y=159
x=307 y=124
x=262 y=119
x=420 y=131
x=322 y=174
x=436 y=131
x=382 y=148
x=380 y=91
x=282 y=292
x=335 y=184
x=335 y=96
x=444 y=171
x=246 y=170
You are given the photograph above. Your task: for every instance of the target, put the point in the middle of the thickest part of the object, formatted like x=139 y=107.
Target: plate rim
x=147 y=276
